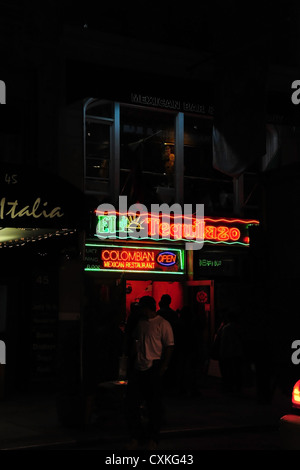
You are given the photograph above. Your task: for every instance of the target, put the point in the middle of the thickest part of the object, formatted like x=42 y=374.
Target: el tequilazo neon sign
x=228 y=231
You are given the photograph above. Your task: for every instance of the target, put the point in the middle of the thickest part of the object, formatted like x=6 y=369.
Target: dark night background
x=239 y=58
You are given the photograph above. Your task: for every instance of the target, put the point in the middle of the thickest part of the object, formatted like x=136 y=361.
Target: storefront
x=39 y=237
x=223 y=268
x=145 y=269
x=155 y=149
x=134 y=255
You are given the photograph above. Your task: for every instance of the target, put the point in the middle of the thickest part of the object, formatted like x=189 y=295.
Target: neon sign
x=217 y=264
x=209 y=263
x=211 y=230
x=166 y=258
x=133 y=259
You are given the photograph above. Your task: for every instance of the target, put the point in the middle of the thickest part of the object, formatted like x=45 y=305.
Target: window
x=147 y=155
x=153 y=156
x=202 y=183
x=98 y=136
x=97 y=150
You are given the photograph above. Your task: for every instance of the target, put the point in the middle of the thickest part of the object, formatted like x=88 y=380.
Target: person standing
x=167 y=312
x=171 y=316
x=154 y=343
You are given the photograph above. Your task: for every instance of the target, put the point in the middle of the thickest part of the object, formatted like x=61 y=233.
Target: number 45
x=42 y=279
x=10 y=179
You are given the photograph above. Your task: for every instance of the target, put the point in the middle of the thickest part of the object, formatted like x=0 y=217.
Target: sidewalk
x=31 y=420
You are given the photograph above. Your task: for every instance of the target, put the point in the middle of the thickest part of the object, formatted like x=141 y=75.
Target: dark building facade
x=94 y=112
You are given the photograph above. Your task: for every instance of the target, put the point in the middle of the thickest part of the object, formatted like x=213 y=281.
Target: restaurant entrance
x=137 y=289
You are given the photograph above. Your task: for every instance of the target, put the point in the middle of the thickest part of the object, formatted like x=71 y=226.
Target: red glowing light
x=128 y=259
x=153 y=215
x=118 y=258
x=182 y=227
x=221 y=233
x=296 y=395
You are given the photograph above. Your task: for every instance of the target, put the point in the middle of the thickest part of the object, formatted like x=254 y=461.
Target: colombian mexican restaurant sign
x=133 y=259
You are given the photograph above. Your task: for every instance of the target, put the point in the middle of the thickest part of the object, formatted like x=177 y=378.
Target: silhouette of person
x=154 y=343
x=167 y=312
x=171 y=316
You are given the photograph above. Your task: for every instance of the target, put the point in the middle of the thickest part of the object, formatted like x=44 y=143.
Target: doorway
x=137 y=289
x=200 y=296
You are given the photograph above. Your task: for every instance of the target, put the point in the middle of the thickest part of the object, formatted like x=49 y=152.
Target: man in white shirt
x=154 y=343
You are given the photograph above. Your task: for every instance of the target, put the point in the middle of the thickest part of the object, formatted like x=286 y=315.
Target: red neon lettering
x=234 y=233
x=176 y=230
x=153 y=224
x=164 y=229
x=166 y=258
x=105 y=255
x=199 y=228
x=210 y=232
x=223 y=233
x=195 y=230
x=113 y=255
x=124 y=255
x=189 y=231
